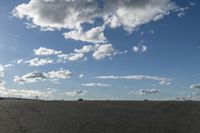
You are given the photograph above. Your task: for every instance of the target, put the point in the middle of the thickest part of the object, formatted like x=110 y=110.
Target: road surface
x=29 y=116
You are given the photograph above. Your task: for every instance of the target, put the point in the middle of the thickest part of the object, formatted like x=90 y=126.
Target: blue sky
x=125 y=50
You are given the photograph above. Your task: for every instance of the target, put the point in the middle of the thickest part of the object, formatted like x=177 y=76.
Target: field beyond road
x=29 y=116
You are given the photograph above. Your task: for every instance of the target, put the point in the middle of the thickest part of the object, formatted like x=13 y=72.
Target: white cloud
x=24 y=93
x=152 y=32
x=100 y=51
x=192 y=4
x=75 y=93
x=8 y=65
x=161 y=80
x=94 y=35
x=75 y=56
x=195 y=86
x=71 y=14
x=121 y=52
x=46 y=51
x=39 y=76
x=181 y=14
x=190 y=94
x=140 y=48
x=136 y=49
x=103 y=51
x=131 y=14
x=2 y=85
x=39 y=62
x=147 y=92
x=81 y=76
x=60 y=74
x=28 y=93
x=2 y=71
x=84 y=49
x=19 y=61
x=30 y=77
x=54 y=14
x=71 y=56
x=96 y=85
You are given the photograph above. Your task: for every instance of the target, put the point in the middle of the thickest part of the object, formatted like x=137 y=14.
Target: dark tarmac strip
x=29 y=116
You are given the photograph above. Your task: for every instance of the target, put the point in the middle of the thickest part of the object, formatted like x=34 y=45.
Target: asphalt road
x=26 y=116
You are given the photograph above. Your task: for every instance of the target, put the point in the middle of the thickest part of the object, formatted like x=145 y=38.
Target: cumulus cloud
x=60 y=74
x=72 y=14
x=30 y=77
x=39 y=76
x=46 y=51
x=96 y=85
x=84 y=49
x=39 y=62
x=161 y=80
x=103 y=51
x=76 y=55
x=100 y=51
x=75 y=93
x=132 y=13
x=54 y=14
x=94 y=35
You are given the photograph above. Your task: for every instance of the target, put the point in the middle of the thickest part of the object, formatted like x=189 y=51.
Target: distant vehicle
x=80 y=100
x=1 y=98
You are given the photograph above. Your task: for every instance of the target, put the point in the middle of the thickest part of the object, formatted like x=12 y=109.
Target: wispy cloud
x=24 y=93
x=96 y=85
x=70 y=57
x=75 y=93
x=143 y=92
x=161 y=80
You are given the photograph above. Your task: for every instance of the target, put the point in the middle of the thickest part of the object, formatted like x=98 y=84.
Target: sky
x=100 y=49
